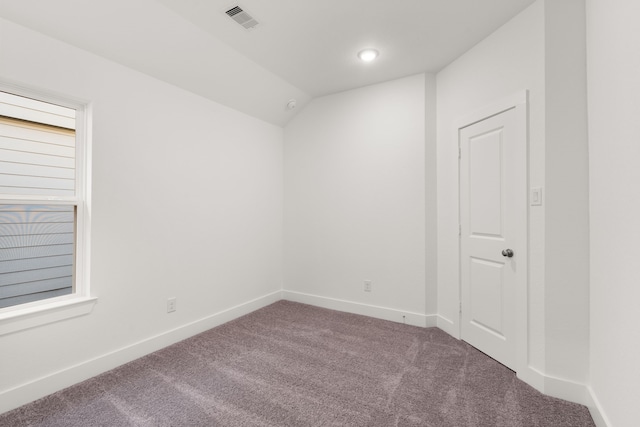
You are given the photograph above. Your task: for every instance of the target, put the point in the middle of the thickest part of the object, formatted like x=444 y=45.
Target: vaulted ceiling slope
x=301 y=49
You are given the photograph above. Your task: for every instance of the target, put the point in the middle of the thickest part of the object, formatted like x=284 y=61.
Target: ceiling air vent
x=243 y=18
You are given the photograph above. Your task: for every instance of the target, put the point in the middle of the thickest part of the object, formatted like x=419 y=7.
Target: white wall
x=360 y=202
x=187 y=203
x=566 y=198
x=355 y=200
x=541 y=50
x=431 y=196
x=614 y=107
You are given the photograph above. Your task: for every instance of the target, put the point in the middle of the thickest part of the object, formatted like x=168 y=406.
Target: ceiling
x=302 y=49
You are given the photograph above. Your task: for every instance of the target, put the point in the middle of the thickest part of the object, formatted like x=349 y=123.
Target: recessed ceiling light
x=368 y=55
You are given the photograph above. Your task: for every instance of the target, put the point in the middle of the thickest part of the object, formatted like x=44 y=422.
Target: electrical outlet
x=172 y=305
x=367 y=285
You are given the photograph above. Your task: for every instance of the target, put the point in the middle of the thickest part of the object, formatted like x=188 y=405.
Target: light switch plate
x=536 y=196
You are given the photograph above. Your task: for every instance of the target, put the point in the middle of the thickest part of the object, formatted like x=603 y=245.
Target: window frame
x=79 y=302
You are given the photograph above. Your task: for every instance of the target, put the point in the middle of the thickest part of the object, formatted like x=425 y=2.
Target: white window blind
x=38 y=200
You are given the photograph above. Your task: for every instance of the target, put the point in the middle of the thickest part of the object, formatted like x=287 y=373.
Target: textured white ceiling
x=302 y=49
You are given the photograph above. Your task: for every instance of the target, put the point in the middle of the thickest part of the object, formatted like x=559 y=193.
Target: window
x=43 y=221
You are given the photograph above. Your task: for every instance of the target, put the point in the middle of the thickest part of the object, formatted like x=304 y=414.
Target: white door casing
x=493 y=221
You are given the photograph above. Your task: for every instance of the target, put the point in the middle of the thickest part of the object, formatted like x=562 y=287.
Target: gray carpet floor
x=291 y=364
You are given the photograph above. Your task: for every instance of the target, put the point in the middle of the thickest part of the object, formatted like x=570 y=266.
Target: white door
x=488 y=219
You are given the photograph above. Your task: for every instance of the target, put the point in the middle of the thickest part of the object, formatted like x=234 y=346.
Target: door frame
x=519 y=102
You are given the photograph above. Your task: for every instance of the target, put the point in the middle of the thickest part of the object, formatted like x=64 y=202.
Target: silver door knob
x=508 y=253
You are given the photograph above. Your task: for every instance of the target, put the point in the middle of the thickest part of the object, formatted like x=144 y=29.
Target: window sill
x=31 y=317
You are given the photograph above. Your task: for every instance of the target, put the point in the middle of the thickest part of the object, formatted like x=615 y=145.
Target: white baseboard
x=448 y=326
x=532 y=376
x=25 y=393
x=399 y=316
x=566 y=390
x=555 y=387
x=595 y=408
x=549 y=385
